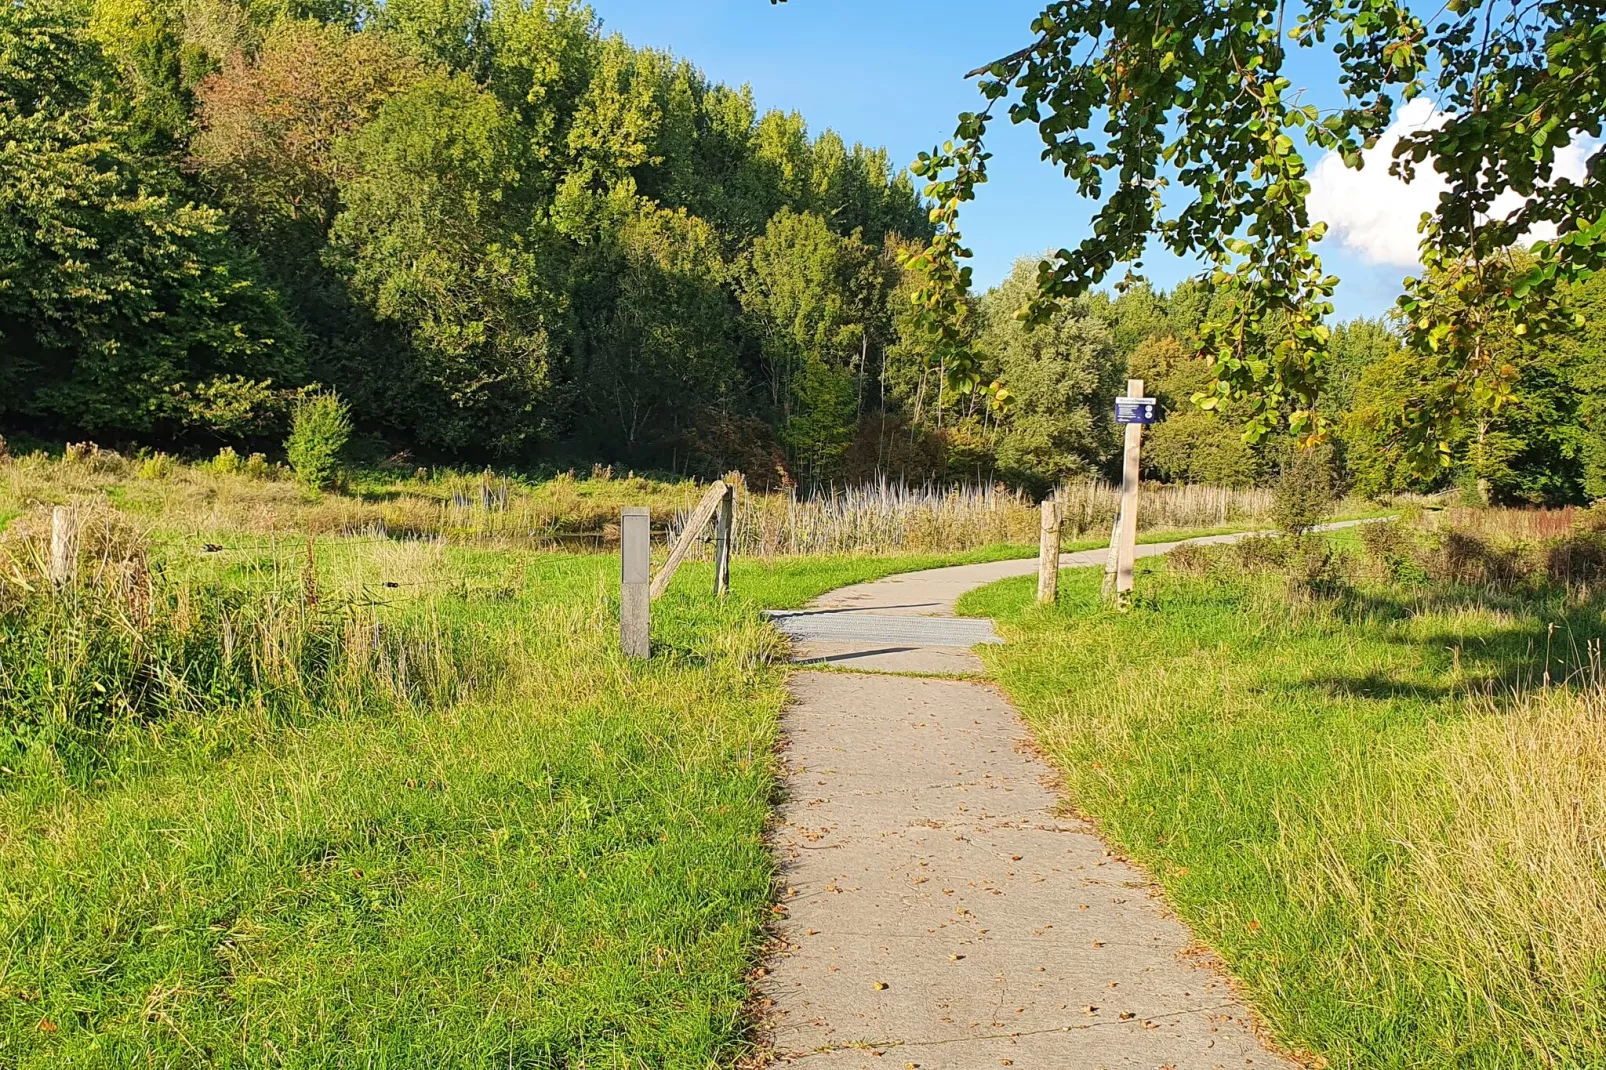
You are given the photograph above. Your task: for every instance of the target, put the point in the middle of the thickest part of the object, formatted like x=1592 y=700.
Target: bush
x=227 y=462
x=158 y=466
x=1305 y=490
x=257 y=466
x=1392 y=550
x=91 y=458
x=319 y=431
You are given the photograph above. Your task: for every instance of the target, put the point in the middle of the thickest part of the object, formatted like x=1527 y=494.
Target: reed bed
x=880 y=518
x=1090 y=507
x=889 y=517
x=1527 y=525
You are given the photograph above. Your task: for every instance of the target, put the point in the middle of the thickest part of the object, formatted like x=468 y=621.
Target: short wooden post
x=1112 y=559
x=722 y=542
x=1048 y=552
x=635 y=580
x=63 y=545
x=1127 y=539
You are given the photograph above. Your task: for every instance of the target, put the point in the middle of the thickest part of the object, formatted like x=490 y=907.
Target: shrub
x=1192 y=560
x=1262 y=553
x=158 y=466
x=318 y=432
x=1467 y=559
x=1305 y=490
x=257 y=466
x=227 y=462
x=91 y=458
x=1577 y=560
x=1317 y=568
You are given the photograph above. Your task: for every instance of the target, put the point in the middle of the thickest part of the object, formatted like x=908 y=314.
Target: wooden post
x=635 y=579
x=1048 y=552
x=711 y=501
x=1112 y=560
x=1127 y=538
x=722 y=542
x=63 y=545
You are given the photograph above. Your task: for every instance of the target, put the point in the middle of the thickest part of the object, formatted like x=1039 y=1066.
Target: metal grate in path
x=838 y=626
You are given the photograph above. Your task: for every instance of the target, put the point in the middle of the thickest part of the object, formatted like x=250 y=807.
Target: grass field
x=374 y=803
x=1367 y=803
x=283 y=783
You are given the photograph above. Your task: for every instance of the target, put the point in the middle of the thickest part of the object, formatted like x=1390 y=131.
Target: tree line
x=494 y=231
x=501 y=235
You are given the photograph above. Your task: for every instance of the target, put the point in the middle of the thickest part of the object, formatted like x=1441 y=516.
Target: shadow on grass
x=1541 y=638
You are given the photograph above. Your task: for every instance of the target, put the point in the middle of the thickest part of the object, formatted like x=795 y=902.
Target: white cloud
x=1376 y=214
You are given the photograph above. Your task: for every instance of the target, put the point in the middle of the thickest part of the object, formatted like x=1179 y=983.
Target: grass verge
x=1363 y=803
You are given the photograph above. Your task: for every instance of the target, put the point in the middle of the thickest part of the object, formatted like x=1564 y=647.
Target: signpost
x=1136 y=412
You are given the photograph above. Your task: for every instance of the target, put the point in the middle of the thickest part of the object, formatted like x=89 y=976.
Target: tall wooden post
x=1127 y=538
x=722 y=542
x=1048 y=552
x=635 y=581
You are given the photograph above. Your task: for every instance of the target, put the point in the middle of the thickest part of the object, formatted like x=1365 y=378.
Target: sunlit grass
x=1401 y=860
x=552 y=856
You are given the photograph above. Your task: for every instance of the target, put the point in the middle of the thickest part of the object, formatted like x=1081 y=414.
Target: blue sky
x=890 y=72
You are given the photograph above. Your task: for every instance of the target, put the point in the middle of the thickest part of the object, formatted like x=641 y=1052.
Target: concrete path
x=941 y=909
x=840 y=628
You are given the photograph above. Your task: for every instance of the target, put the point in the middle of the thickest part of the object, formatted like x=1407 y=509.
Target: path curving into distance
x=941 y=909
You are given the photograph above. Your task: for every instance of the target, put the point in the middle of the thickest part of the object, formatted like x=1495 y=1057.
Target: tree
x=1199 y=151
x=119 y=297
x=1190 y=445
x=657 y=332
x=811 y=297
x=431 y=238
x=273 y=125
x=318 y=432
x=1583 y=351
x=1065 y=378
x=1523 y=447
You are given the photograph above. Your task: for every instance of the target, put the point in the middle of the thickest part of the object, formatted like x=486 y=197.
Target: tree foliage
x=493 y=230
x=119 y=296
x=497 y=233
x=1065 y=379
x=1199 y=148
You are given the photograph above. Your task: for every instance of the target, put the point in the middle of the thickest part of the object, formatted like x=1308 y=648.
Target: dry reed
x=889 y=517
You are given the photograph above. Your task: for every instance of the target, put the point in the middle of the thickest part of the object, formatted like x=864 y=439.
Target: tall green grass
x=482 y=839
x=1368 y=801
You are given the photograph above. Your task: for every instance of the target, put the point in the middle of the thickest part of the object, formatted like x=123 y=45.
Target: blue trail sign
x=1135 y=410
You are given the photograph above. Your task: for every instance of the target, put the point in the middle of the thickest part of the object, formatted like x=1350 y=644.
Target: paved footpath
x=941 y=910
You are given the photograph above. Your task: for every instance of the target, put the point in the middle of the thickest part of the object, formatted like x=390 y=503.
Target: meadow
x=1368 y=771
x=360 y=779
x=279 y=799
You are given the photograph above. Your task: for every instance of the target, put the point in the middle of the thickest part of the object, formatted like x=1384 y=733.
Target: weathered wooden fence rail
x=639 y=588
